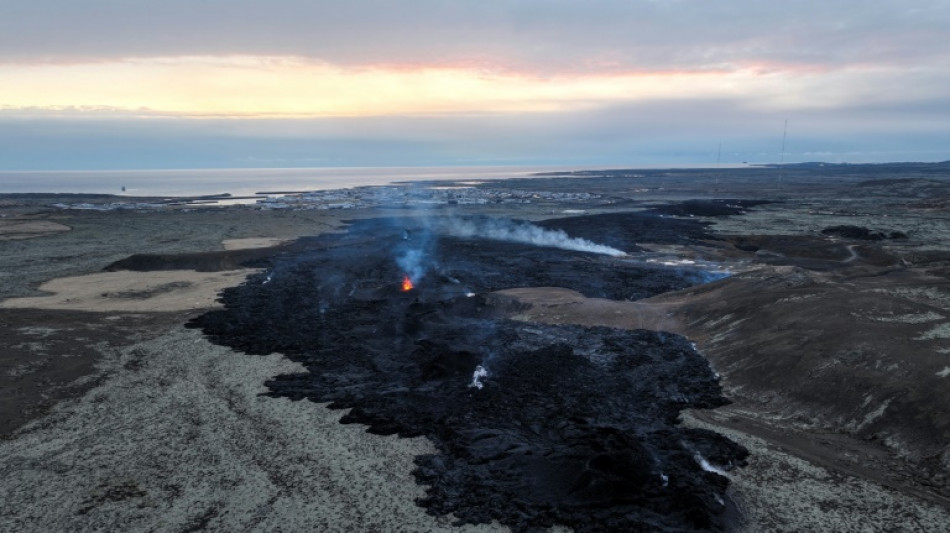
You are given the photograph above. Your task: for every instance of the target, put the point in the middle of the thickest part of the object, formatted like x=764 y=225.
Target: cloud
x=545 y=36
x=624 y=135
x=105 y=83
x=293 y=87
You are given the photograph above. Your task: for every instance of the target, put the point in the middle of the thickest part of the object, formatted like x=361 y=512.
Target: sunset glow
x=289 y=82
x=249 y=86
x=278 y=86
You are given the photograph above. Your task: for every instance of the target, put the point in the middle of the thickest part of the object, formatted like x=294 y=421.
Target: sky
x=143 y=84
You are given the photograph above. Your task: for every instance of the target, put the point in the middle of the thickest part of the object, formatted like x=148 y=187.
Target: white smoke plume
x=507 y=230
x=477 y=376
x=707 y=466
x=414 y=250
x=412 y=264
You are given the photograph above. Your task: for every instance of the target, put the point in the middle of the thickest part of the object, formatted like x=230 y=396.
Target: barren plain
x=822 y=300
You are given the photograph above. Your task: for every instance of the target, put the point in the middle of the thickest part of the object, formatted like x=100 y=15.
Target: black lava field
x=562 y=425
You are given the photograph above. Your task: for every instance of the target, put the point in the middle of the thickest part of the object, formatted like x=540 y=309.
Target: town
x=367 y=197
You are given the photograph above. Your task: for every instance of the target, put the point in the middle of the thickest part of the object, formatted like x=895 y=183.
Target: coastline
x=240 y=181
x=251 y=182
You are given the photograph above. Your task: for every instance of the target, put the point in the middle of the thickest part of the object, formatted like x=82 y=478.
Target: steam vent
x=535 y=425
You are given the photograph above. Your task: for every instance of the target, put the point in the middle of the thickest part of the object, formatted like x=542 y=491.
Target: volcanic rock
x=707 y=208
x=572 y=425
x=854 y=232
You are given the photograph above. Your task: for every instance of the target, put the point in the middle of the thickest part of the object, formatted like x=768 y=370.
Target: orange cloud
x=254 y=86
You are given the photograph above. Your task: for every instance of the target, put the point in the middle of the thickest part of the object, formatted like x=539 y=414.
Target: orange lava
x=406 y=284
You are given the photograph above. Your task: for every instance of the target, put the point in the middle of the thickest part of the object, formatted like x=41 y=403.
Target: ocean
x=250 y=181
x=241 y=182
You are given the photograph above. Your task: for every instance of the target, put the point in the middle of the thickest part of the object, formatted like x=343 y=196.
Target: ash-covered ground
x=535 y=425
x=831 y=338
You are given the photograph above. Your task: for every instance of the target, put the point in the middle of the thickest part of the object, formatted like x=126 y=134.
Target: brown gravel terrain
x=27 y=229
x=835 y=351
x=115 y=417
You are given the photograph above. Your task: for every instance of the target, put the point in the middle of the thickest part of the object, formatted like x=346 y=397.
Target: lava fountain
x=406 y=284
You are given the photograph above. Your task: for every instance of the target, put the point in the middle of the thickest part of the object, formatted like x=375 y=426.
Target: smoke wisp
x=523 y=232
x=411 y=261
x=480 y=373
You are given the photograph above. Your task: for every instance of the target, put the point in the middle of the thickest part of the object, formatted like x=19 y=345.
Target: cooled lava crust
x=573 y=425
